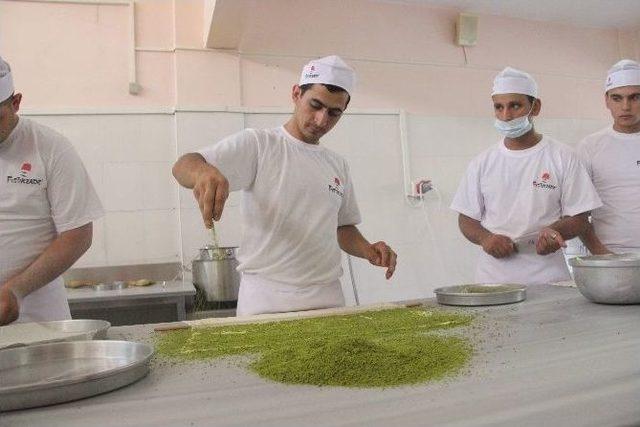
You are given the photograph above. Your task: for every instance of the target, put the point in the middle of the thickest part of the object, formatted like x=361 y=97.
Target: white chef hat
x=6 y=81
x=330 y=70
x=511 y=80
x=623 y=73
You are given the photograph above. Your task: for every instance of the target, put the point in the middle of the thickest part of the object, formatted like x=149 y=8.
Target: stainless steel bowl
x=608 y=279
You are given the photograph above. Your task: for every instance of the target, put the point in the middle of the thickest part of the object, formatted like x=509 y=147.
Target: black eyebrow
x=322 y=104
x=625 y=96
x=500 y=104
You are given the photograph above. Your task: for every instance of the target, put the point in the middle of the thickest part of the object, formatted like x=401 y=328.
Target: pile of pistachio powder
x=384 y=348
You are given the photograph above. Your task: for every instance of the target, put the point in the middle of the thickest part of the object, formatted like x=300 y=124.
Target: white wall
x=129 y=158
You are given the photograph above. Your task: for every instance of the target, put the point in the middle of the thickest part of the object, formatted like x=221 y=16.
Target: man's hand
x=382 y=255
x=498 y=245
x=549 y=241
x=9 y=306
x=211 y=190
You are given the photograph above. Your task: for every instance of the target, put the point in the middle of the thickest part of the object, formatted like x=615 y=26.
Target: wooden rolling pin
x=277 y=317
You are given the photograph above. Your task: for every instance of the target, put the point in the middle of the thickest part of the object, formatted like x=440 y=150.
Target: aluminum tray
x=47 y=374
x=20 y=334
x=481 y=294
x=110 y=286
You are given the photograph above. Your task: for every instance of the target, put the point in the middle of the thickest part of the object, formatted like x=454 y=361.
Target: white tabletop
x=553 y=360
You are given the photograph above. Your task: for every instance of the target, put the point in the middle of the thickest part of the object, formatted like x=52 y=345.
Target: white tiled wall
x=129 y=158
x=150 y=219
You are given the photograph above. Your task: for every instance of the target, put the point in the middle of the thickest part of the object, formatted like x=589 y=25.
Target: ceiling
x=622 y=14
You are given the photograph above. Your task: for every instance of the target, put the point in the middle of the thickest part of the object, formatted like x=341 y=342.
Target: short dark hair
x=330 y=88
x=531 y=99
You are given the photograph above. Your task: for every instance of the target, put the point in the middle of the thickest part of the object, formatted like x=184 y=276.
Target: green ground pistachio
x=383 y=348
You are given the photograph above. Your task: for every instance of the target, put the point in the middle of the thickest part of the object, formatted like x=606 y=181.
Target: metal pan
x=47 y=374
x=20 y=334
x=481 y=294
x=110 y=286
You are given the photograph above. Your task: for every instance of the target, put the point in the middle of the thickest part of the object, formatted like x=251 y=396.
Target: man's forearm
x=592 y=242
x=472 y=229
x=187 y=167
x=55 y=260
x=352 y=241
x=571 y=226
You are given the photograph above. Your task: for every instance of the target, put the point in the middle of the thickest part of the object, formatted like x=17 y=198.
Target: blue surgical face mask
x=515 y=127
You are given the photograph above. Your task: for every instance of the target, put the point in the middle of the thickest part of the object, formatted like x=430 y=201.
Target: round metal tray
x=47 y=374
x=110 y=286
x=481 y=294
x=21 y=334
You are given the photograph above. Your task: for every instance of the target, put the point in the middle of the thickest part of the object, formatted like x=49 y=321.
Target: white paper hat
x=329 y=70
x=623 y=73
x=6 y=81
x=511 y=80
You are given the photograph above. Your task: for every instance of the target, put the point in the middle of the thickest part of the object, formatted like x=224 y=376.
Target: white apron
x=258 y=295
x=46 y=304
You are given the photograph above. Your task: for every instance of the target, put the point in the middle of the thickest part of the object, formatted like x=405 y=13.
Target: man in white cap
x=612 y=158
x=299 y=206
x=47 y=205
x=523 y=197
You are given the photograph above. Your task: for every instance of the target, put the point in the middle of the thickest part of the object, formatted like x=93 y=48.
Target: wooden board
x=275 y=317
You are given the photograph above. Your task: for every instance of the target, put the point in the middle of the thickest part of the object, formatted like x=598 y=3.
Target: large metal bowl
x=608 y=279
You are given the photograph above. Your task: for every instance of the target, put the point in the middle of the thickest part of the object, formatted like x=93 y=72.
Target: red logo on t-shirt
x=545 y=182
x=336 y=180
x=26 y=167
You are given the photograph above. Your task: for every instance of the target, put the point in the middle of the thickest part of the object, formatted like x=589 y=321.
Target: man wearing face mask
x=523 y=197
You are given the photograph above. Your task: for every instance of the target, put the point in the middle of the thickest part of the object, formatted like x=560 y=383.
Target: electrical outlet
x=420 y=186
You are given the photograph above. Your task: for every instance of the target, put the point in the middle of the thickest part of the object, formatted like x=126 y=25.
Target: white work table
x=553 y=360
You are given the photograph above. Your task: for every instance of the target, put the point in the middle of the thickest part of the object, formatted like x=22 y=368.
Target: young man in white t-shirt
x=47 y=205
x=523 y=197
x=299 y=207
x=612 y=158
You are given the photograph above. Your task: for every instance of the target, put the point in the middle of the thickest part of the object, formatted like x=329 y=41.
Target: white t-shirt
x=295 y=195
x=518 y=192
x=44 y=191
x=612 y=160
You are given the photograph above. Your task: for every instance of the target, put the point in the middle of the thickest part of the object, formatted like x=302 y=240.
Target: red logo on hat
x=313 y=68
x=26 y=167
x=546 y=176
x=336 y=180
